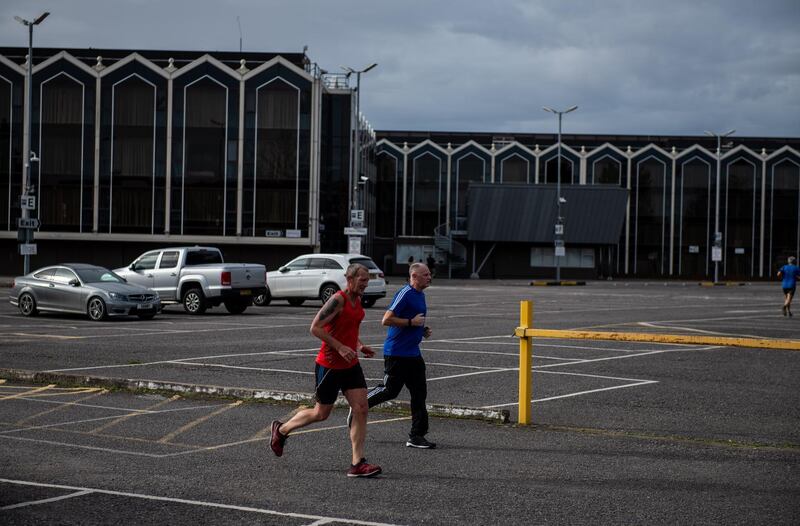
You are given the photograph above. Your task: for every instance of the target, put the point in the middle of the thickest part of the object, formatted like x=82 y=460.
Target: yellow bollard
x=525 y=359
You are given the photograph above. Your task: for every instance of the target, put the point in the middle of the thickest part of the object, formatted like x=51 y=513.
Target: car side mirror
x=132 y=267
x=74 y=282
x=283 y=269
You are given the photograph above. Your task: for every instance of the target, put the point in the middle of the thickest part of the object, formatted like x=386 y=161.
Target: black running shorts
x=789 y=290
x=331 y=381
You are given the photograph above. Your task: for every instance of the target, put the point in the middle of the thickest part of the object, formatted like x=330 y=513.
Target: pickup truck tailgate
x=246 y=275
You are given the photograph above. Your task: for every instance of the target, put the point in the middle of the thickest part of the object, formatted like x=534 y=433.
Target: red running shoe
x=277 y=439
x=362 y=469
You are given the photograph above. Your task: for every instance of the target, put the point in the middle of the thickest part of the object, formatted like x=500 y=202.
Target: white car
x=320 y=276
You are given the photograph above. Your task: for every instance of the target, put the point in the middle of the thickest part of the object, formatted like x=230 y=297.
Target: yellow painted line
x=62 y=406
x=123 y=418
x=28 y=393
x=66 y=393
x=54 y=336
x=757 y=343
x=169 y=436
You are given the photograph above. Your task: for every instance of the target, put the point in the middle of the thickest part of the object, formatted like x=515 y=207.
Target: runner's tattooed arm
x=327 y=314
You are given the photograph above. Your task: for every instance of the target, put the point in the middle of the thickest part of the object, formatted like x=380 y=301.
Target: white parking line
x=46 y=501
x=570 y=395
x=207 y=357
x=321 y=519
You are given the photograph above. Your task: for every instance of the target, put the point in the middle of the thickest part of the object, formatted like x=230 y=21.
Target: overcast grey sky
x=633 y=66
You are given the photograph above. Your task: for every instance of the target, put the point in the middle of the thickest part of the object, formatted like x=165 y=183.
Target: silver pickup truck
x=197 y=277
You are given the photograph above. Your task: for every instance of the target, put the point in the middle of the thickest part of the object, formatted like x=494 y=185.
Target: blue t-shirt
x=404 y=341
x=790 y=273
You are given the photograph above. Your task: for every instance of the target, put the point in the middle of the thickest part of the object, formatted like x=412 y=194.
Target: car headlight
x=117 y=296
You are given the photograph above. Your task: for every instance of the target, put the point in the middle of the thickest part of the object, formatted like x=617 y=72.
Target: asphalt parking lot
x=622 y=431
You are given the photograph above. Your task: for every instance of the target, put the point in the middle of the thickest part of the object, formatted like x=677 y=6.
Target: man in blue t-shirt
x=790 y=274
x=403 y=363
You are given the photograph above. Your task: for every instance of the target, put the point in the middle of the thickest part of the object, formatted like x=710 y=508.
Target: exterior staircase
x=448 y=249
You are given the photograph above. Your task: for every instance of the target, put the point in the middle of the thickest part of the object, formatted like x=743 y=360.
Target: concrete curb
x=238 y=393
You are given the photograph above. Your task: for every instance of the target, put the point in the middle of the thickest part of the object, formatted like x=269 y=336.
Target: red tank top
x=344 y=328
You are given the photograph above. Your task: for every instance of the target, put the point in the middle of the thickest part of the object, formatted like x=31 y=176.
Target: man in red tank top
x=337 y=368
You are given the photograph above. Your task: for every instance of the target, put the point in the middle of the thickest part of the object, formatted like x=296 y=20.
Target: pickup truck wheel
x=97 y=309
x=296 y=302
x=194 y=302
x=235 y=307
x=262 y=300
x=327 y=291
x=368 y=302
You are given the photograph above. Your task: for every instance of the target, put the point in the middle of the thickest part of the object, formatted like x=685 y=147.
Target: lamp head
x=41 y=18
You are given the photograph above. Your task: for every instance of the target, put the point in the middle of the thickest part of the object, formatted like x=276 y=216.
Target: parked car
x=197 y=277
x=320 y=276
x=84 y=289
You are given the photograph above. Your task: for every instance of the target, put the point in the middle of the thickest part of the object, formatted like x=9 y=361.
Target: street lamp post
x=357 y=161
x=28 y=155
x=559 y=226
x=717 y=233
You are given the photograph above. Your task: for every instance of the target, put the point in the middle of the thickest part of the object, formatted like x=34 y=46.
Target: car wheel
x=27 y=305
x=368 y=302
x=146 y=316
x=97 y=309
x=262 y=300
x=327 y=291
x=235 y=307
x=194 y=302
x=296 y=302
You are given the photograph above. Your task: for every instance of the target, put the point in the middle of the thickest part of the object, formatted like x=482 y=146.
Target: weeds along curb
x=236 y=393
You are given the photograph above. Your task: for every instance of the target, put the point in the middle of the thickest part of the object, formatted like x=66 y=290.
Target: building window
x=133 y=156
x=426 y=195
x=386 y=196
x=785 y=217
x=514 y=169
x=61 y=154
x=276 y=182
x=607 y=170
x=204 y=158
x=469 y=169
x=650 y=212
x=574 y=257
x=551 y=170
x=741 y=219
x=694 y=222
x=5 y=153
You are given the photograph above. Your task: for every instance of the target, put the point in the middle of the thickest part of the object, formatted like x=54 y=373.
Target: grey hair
x=415 y=267
x=353 y=269
x=792 y=259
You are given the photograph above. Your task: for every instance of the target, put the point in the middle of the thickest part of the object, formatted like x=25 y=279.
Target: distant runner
x=790 y=274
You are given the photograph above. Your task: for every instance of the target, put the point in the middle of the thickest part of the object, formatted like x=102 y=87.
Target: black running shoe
x=420 y=443
x=785 y=310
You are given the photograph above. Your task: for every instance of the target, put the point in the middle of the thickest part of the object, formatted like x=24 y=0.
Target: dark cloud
x=642 y=66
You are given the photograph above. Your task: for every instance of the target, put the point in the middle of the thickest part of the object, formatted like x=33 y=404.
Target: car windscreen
x=367 y=262
x=98 y=275
x=203 y=257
